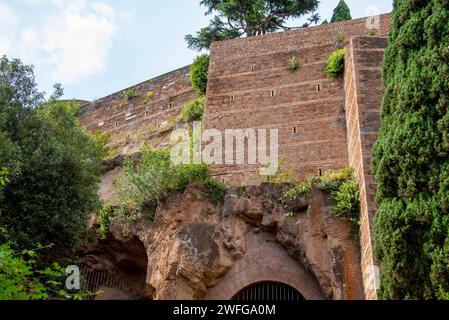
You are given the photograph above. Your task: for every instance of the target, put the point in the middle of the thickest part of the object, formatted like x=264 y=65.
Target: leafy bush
x=130 y=94
x=193 y=110
x=333 y=179
x=336 y=64
x=22 y=279
x=54 y=165
x=341 y=12
x=411 y=156
x=294 y=64
x=199 y=73
x=216 y=190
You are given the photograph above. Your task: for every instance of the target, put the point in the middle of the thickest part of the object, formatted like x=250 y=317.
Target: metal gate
x=268 y=291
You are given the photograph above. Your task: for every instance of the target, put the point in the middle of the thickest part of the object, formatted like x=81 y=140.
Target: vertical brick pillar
x=363 y=94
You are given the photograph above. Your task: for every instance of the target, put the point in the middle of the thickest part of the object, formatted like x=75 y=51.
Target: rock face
x=197 y=250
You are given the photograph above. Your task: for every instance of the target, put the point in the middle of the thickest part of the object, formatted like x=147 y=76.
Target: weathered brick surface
x=307 y=108
x=144 y=118
x=364 y=91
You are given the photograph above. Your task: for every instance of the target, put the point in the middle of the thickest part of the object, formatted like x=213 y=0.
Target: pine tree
x=341 y=12
x=411 y=156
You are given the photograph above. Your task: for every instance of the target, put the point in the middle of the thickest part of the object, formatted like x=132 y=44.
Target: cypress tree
x=341 y=12
x=411 y=156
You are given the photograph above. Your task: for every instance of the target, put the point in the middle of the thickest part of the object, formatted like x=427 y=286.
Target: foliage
x=294 y=64
x=199 y=72
x=3 y=177
x=342 y=188
x=193 y=110
x=54 y=165
x=146 y=183
x=298 y=191
x=236 y=18
x=411 y=155
x=130 y=94
x=216 y=190
x=22 y=278
x=336 y=64
x=341 y=12
x=347 y=201
x=19 y=78
x=332 y=180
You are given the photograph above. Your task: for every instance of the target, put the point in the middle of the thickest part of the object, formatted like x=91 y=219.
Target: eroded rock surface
x=197 y=250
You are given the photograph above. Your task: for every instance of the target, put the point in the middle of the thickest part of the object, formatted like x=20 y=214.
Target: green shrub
x=332 y=180
x=130 y=94
x=21 y=277
x=193 y=110
x=216 y=190
x=302 y=189
x=411 y=155
x=145 y=184
x=294 y=64
x=347 y=201
x=199 y=73
x=336 y=64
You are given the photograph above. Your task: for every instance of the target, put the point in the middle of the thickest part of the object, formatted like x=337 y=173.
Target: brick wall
x=307 y=108
x=363 y=94
x=144 y=118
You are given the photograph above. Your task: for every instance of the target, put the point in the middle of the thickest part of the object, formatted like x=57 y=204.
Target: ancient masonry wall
x=363 y=94
x=149 y=117
x=251 y=86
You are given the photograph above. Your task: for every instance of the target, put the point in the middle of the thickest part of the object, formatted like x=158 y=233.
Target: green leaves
x=199 y=71
x=341 y=12
x=235 y=18
x=411 y=155
x=336 y=64
x=193 y=110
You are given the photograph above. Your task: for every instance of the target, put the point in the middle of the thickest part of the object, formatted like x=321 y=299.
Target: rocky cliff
x=197 y=250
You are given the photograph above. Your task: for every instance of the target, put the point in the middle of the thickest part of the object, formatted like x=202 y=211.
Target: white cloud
x=72 y=41
x=8 y=21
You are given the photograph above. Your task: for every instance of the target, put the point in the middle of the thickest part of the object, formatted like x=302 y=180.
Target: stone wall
x=364 y=91
x=150 y=117
x=251 y=86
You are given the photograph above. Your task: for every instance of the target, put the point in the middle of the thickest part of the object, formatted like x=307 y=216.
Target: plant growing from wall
x=411 y=155
x=249 y=18
x=335 y=66
x=199 y=73
x=145 y=184
x=193 y=110
x=294 y=64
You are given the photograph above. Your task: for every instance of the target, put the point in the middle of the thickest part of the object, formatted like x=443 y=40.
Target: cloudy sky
x=95 y=48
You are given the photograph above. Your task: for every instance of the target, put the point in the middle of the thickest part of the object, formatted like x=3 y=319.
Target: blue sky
x=95 y=48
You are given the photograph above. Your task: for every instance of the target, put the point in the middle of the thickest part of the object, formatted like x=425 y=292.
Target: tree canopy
x=236 y=18
x=51 y=164
x=411 y=156
x=341 y=12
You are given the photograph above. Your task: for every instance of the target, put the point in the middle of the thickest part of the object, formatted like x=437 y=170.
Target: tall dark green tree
x=411 y=156
x=53 y=166
x=341 y=12
x=236 y=18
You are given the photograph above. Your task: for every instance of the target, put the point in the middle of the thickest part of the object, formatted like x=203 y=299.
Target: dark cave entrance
x=268 y=291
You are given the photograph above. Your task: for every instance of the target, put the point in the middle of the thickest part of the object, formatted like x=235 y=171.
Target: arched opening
x=268 y=291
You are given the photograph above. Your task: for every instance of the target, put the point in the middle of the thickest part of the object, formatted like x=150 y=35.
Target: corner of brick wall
x=363 y=95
